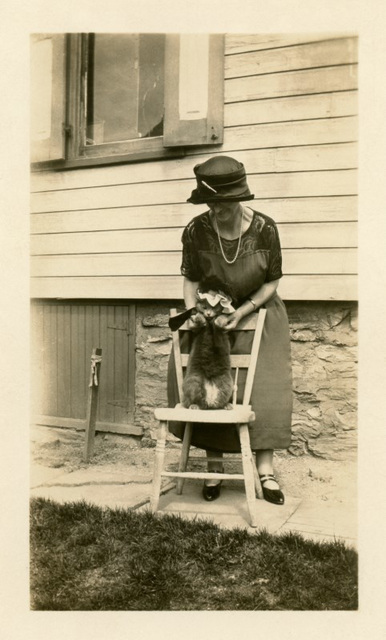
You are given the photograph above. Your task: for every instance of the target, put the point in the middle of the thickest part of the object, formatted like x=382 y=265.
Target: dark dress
x=258 y=262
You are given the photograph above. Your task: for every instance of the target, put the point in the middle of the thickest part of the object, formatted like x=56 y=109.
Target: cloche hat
x=220 y=178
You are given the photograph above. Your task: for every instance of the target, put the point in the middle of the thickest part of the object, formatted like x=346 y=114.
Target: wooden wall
x=290 y=116
x=63 y=336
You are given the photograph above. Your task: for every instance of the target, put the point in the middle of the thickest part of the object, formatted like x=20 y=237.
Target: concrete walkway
x=313 y=519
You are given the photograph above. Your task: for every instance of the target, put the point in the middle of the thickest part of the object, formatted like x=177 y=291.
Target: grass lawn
x=87 y=558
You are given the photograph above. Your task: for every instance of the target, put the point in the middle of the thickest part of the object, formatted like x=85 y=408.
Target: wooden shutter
x=194 y=90
x=48 y=77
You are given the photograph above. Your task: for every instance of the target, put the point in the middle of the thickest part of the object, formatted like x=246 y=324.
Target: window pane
x=125 y=87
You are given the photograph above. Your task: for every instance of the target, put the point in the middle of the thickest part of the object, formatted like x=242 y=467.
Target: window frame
x=78 y=155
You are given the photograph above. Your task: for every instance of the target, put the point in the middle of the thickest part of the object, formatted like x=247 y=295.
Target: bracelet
x=254 y=303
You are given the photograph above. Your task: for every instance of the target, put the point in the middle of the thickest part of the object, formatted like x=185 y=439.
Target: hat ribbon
x=208 y=186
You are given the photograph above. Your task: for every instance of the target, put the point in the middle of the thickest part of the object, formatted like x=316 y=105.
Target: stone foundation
x=324 y=358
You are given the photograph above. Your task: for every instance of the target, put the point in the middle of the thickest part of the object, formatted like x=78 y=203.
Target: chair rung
x=205 y=475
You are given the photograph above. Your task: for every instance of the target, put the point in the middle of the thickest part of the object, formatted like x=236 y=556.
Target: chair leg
x=184 y=455
x=158 y=465
x=249 y=480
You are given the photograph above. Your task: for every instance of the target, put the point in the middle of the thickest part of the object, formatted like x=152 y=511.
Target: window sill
x=95 y=156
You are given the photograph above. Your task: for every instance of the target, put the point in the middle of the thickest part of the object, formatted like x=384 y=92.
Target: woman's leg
x=213 y=465
x=271 y=489
x=264 y=464
x=211 y=488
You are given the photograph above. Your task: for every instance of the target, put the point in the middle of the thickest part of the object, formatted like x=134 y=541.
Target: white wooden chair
x=241 y=415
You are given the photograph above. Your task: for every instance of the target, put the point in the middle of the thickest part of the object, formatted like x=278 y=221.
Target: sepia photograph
x=194 y=321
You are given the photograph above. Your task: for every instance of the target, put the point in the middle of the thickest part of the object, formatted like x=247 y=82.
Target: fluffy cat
x=208 y=381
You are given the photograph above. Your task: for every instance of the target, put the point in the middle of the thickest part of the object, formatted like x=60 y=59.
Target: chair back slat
x=254 y=353
x=246 y=324
x=240 y=360
x=177 y=357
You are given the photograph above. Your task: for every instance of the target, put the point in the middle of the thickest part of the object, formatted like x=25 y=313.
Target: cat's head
x=213 y=303
x=207 y=310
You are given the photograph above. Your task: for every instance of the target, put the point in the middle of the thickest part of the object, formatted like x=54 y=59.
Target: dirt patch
x=303 y=477
x=63 y=448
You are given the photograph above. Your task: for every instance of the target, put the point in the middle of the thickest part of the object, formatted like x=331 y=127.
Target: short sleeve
x=274 y=271
x=190 y=267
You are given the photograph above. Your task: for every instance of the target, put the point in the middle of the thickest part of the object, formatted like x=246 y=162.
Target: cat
x=208 y=382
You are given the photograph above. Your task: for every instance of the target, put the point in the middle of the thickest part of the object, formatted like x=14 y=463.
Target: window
x=102 y=98
x=125 y=87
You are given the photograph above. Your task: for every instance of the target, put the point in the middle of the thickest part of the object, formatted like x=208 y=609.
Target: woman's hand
x=228 y=322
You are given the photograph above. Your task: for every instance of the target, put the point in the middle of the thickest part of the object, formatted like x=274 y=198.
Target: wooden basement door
x=63 y=334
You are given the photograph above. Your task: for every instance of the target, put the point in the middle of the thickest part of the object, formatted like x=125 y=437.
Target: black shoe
x=271 y=495
x=212 y=492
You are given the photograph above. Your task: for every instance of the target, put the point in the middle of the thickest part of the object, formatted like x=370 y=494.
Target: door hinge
x=121 y=328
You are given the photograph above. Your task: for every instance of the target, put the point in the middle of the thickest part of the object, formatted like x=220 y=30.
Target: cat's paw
x=194 y=406
x=228 y=406
x=198 y=320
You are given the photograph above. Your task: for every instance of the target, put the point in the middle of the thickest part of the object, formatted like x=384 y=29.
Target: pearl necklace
x=239 y=243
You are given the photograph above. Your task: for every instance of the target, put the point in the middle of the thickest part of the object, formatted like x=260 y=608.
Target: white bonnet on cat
x=217 y=297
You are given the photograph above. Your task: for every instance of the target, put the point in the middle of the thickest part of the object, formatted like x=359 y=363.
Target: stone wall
x=324 y=357
x=324 y=360
x=153 y=346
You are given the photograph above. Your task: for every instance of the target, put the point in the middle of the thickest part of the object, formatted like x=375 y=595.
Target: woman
x=239 y=246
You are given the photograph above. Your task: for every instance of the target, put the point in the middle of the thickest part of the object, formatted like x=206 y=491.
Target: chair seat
x=240 y=414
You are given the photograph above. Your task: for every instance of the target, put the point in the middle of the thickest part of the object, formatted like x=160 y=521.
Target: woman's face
x=224 y=211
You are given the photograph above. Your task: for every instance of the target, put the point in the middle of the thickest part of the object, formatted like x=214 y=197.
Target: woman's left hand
x=228 y=322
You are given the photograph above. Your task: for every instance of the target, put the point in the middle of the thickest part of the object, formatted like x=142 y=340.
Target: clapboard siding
x=329 y=234
x=321 y=209
x=275 y=185
x=299 y=287
x=321 y=105
x=168 y=263
x=242 y=42
x=317 y=54
x=290 y=115
x=292 y=83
